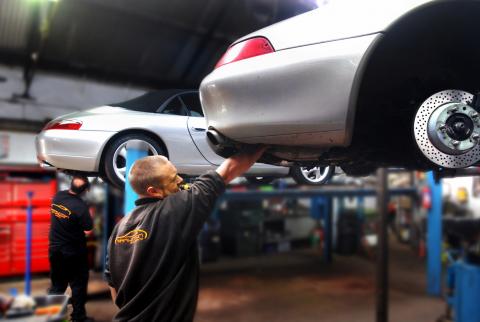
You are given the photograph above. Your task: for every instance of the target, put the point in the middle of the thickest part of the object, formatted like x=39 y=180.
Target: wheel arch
x=429 y=49
x=150 y=134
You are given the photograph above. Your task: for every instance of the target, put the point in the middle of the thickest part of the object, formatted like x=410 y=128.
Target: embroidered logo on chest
x=60 y=211
x=132 y=237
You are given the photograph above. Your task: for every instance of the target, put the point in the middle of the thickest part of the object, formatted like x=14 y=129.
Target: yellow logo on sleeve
x=132 y=237
x=60 y=211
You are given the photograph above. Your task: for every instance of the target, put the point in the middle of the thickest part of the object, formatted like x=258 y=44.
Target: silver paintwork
x=338 y=19
x=246 y=102
x=304 y=93
x=75 y=150
x=421 y=131
x=82 y=150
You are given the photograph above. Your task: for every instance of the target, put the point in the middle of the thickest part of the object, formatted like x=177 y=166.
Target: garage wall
x=17 y=148
x=55 y=95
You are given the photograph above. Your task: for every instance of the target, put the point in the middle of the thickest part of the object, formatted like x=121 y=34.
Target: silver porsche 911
x=359 y=84
x=170 y=122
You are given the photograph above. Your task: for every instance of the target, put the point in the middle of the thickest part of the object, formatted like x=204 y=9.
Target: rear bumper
x=298 y=96
x=72 y=150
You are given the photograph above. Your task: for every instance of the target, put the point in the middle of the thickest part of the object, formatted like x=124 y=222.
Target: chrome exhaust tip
x=220 y=144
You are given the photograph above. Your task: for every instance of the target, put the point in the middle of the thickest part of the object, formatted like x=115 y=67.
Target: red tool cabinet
x=13 y=214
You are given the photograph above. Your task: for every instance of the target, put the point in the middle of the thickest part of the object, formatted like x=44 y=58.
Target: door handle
x=198 y=129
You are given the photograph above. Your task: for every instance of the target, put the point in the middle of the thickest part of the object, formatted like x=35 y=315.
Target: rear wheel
x=312 y=175
x=115 y=158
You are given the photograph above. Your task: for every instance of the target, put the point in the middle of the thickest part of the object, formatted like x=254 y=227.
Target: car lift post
x=434 y=238
x=382 y=249
x=28 y=245
x=321 y=209
x=136 y=149
x=105 y=228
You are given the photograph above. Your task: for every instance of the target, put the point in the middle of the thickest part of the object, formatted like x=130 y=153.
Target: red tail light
x=63 y=125
x=246 y=49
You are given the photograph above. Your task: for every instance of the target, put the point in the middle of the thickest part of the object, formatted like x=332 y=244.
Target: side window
x=192 y=102
x=174 y=107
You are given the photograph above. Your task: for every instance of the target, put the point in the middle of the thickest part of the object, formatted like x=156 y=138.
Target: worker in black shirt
x=152 y=266
x=70 y=219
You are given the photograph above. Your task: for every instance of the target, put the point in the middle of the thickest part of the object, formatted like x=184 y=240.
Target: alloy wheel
x=120 y=159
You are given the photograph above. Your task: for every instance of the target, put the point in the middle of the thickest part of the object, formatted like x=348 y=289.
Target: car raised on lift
x=358 y=84
x=169 y=122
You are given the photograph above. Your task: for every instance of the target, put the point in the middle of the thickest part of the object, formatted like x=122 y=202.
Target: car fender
x=337 y=19
x=170 y=130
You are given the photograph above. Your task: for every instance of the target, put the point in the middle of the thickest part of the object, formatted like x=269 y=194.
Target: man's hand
x=238 y=164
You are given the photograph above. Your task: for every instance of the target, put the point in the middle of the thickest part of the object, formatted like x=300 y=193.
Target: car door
x=197 y=127
x=182 y=150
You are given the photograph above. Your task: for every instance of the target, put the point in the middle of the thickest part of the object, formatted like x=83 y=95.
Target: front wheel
x=115 y=159
x=313 y=176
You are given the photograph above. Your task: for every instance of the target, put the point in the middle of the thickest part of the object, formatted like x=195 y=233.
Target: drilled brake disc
x=447 y=129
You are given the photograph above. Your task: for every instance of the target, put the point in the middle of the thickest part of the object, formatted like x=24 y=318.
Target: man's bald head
x=79 y=184
x=150 y=171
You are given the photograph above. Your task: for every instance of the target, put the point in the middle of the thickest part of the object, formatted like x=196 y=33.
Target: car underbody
x=423 y=54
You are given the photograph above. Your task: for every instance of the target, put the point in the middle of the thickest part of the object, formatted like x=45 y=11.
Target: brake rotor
x=447 y=129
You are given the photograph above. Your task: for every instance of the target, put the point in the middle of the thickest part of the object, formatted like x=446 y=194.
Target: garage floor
x=293 y=286
x=298 y=287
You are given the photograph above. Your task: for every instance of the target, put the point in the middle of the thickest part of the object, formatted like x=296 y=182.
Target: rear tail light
x=63 y=125
x=246 y=49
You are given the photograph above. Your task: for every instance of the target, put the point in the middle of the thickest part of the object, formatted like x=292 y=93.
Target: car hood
x=337 y=19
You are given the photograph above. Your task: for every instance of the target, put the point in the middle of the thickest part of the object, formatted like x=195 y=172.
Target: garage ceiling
x=159 y=43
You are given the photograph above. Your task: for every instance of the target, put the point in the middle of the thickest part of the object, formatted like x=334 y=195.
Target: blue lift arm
x=434 y=238
x=136 y=149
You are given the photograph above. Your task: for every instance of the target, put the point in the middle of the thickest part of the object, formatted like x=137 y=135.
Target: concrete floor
x=298 y=287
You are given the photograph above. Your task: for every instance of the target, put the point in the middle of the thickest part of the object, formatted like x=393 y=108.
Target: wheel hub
x=453 y=128
x=447 y=129
x=459 y=126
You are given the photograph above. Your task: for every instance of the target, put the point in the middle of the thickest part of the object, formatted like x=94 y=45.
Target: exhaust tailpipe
x=220 y=144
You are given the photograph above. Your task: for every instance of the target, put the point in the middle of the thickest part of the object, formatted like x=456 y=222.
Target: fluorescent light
x=321 y=3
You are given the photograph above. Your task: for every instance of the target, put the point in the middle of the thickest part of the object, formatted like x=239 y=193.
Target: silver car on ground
x=170 y=122
x=359 y=84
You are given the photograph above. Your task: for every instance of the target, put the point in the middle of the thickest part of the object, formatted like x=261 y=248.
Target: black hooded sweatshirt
x=153 y=254
x=69 y=218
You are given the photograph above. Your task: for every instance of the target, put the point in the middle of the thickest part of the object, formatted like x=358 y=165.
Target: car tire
x=114 y=161
x=313 y=176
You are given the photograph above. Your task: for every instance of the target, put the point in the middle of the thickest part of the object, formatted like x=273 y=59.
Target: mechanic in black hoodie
x=153 y=266
x=70 y=218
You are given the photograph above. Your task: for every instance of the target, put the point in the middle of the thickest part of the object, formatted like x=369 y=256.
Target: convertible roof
x=151 y=101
